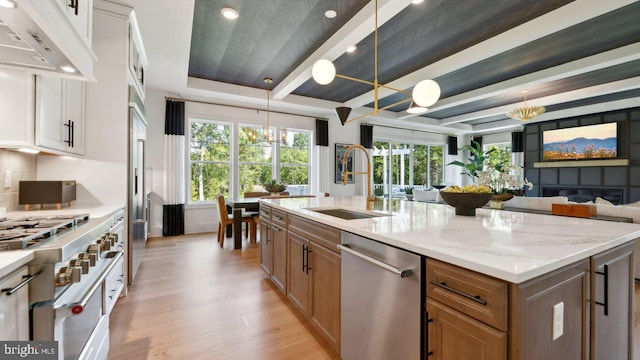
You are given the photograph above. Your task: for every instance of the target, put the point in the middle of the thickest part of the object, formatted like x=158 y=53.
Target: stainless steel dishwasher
x=380 y=301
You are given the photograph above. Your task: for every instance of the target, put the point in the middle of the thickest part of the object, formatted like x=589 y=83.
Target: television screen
x=581 y=143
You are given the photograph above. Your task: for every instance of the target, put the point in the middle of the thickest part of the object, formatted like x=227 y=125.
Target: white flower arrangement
x=502 y=178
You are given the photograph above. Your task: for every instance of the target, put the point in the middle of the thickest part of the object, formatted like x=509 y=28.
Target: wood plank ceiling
x=573 y=57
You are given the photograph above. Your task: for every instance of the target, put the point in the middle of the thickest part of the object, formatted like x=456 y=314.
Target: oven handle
x=27 y=279
x=76 y=308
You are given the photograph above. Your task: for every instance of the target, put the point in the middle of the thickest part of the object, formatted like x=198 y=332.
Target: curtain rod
x=243 y=107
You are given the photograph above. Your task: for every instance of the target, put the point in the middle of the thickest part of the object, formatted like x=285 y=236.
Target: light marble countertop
x=12 y=260
x=512 y=246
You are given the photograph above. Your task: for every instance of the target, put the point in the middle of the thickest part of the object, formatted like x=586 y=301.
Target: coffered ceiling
x=573 y=57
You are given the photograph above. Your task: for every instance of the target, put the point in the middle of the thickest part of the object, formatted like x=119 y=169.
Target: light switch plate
x=558 y=320
x=7 y=179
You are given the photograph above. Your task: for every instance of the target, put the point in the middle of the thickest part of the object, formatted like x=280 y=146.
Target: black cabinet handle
x=605 y=303
x=73 y=132
x=74 y=5
x=69 y=126
x=304 y=264
x=27 y=279
x=307 y=257
x=267 y=232
x=456 y=291
x=426 y=333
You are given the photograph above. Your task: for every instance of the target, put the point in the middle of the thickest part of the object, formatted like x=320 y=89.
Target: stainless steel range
x=80 y=262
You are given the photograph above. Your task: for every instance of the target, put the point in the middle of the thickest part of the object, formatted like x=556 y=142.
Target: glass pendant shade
x=323 y=72
x=426 y=93
x=415 y=109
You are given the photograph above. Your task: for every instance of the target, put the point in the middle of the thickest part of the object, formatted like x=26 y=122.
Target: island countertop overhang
x=512 y=246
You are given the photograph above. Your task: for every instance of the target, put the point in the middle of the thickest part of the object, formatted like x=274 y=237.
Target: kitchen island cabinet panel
x=455 y=336
x=279 y=257
x=532 y=314
x=265 y=239
x=297 y=276
x=612 y=304
x=325 y=292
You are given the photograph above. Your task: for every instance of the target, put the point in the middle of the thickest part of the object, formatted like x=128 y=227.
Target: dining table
x=237 y=206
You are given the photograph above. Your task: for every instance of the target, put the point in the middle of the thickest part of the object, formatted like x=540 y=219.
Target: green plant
x=476 y=159
x=273 y=186
x=378 y=191
x=408 y=190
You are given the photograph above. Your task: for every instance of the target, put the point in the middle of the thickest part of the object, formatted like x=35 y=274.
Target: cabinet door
x=454 y=336
x=279 y=257
x=265 y=247
x=17 y=91
x=79 y=14
x=298 y=269
x=14 y=309
x=612 y=303
x=324 y=312
x=74 y=110
x=50 y=132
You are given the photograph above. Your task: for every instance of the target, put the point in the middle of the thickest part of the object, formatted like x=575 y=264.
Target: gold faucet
x=345 y=174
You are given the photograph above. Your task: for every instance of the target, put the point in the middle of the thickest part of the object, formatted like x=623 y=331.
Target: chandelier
x=526 y=113
x=424 y=94
x=267 y=134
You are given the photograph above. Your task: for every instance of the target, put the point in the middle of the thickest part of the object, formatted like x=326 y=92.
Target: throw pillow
x=600 y=200
x=634 y=204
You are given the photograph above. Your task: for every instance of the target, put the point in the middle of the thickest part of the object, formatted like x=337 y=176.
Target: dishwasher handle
x=402 y=273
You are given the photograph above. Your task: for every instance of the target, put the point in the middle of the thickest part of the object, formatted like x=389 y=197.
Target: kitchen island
x=551 y=286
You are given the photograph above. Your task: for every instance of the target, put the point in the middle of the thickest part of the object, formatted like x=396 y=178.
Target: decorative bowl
x=501 y=197
x=466 y=203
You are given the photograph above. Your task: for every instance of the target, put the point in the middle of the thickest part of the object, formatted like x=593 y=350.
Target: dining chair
x=227 y=219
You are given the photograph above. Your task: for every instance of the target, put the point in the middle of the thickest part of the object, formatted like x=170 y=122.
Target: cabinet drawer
x=113 y=285
x=322 y=234
x=479 y=296
x=279 y=217
x=265 y=213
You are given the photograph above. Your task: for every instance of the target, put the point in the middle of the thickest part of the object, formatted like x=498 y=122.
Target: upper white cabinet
x=60 y=113
x=17 y=96
x=137 y=56
x=79 y=14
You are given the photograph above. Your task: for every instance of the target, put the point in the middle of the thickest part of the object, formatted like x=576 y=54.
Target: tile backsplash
x=17 y=166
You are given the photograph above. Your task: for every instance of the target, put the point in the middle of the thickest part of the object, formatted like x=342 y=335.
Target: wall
x=22 y=167
x=618 y=177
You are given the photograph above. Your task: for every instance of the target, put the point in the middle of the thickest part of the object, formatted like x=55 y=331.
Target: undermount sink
x=346 y=214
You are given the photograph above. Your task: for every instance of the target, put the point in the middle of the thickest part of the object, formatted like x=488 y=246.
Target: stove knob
x=76 y=274
x=94 y=249
x=82 y=263
x=114 y=238
x=61 y=279
x=93 y=258
x=88 y=258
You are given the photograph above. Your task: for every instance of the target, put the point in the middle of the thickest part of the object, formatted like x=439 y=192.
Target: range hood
x=37 y=37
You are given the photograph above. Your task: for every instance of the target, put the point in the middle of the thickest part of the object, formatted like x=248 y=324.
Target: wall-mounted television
x=581 y=143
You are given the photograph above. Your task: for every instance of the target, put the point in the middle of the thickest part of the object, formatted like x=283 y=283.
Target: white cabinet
x=60 y=107
x=137 y=58
x=79 y=14
x=14 y=308
x=17 y=96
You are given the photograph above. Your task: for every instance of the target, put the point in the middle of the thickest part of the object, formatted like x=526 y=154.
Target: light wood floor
x=193 y=300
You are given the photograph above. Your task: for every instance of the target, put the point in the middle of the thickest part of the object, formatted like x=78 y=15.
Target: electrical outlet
x=558 y=320
x=7 y=179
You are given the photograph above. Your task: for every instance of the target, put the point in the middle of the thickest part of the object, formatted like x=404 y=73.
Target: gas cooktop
x=20 y=233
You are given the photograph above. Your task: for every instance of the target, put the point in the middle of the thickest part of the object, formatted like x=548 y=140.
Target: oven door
x=77 y=318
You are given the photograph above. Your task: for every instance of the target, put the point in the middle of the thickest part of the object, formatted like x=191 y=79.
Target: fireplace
x=581 y=195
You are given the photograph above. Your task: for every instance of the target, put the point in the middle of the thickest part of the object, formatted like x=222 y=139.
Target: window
x=398 y=165
x=255 y=161
x=294 y=162
x=209 y=160
x=501 y=155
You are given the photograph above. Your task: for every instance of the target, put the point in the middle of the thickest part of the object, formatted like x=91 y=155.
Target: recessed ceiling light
x=7 y=4
x=230 y=13
x=330 y=14
x=417 y=1
x=351 y=48
x=68 y=68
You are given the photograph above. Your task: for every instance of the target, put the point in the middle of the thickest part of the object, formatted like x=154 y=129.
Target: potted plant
x=378 y=192
x=409 y=192
x=274 y=187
